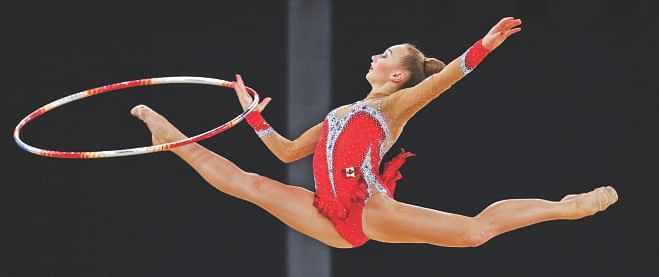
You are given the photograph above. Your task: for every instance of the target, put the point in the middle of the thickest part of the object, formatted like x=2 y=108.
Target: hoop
x=138 y=150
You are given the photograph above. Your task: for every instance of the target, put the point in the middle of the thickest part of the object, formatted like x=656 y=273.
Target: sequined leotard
x=349 y=148
x=346 y=164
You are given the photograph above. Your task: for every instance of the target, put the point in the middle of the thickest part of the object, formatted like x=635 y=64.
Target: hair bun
x=432 y=66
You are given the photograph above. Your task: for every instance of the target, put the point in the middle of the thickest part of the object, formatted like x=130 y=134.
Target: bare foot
x=594 y=201
x=161 y=130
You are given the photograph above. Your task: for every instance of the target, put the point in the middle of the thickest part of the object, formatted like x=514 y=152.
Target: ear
x=397 y=77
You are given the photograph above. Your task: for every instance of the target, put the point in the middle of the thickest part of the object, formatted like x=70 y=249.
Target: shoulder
x=394 y=99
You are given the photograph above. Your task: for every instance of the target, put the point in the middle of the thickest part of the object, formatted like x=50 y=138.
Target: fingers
x=512 y=23
x=245 y=98
x=263 y=104
x=511 y=31
x=239 y=79
x=241 y=92
x=505 y=24
x=240 y=85
x=506 y=27
x=503 y=21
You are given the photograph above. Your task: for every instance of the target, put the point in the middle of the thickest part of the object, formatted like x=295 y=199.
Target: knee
x=254 y=186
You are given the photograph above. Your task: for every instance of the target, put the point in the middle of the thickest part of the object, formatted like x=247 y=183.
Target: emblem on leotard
x=350 y=172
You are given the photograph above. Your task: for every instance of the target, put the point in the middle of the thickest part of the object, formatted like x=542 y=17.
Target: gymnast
x=353 y=201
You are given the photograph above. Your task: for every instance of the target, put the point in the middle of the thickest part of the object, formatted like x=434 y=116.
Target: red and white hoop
x=137 y=150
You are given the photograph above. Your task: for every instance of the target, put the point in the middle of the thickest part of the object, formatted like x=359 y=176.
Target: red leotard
x=345 y=168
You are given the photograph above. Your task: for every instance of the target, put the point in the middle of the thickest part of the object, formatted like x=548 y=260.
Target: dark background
x=565 y=106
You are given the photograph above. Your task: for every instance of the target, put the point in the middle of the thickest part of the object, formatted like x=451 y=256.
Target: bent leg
x=388 y=220
x=291 y=204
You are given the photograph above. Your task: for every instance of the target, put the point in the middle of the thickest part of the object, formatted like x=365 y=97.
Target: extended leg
x=387 y=220
x=291 y=204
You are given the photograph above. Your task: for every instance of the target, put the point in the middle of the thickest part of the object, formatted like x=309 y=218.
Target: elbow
x=289 y=160
x=286 y=158
x=289 y=155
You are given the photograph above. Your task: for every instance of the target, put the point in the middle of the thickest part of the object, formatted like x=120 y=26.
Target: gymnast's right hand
x=245 y=98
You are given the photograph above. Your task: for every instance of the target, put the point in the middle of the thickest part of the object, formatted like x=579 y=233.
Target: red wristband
x=473 y=56
x=258 y=123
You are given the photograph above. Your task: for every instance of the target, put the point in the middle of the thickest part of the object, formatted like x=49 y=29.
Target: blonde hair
x=419 y=66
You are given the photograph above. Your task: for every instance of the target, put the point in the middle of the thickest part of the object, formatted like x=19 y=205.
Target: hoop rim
x=137 y=150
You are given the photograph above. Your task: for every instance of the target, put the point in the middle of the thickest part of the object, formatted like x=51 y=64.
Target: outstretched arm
x=284 y=149
x=407 y=102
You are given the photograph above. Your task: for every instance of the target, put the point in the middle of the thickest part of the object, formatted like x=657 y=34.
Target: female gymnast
x=353 y=202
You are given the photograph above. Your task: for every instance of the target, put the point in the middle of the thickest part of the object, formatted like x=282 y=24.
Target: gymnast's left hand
x=245 y=98
x=506 y=27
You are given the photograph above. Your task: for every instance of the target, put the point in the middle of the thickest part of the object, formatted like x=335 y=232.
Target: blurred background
x=565 y=106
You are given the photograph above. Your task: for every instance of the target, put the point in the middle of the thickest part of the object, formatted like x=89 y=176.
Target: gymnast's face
x=386 y=66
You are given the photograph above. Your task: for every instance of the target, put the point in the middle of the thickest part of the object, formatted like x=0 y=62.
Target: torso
x=346 y=163
x=354 y=137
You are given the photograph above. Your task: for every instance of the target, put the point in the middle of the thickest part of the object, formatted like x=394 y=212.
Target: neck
x=380 y=91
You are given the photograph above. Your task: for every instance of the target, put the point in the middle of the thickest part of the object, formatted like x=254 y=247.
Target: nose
x=375 y=57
